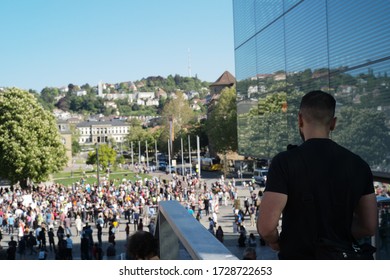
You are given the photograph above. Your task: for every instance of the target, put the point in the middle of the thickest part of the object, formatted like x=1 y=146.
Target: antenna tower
x=189 y=63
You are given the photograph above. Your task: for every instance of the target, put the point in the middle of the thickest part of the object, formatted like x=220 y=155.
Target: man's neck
x=316 y=133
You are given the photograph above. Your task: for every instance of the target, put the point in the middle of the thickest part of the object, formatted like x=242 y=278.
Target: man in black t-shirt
x=322 y=189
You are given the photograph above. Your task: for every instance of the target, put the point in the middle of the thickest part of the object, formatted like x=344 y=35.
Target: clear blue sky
x=57 y=42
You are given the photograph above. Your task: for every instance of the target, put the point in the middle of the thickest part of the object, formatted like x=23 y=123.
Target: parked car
x=173 y=169
x=162 y=166
x=186 y=171
x=260 y=176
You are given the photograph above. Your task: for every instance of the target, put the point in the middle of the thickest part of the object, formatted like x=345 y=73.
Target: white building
x=81 y=92
x=92 y=131
x=145 y=95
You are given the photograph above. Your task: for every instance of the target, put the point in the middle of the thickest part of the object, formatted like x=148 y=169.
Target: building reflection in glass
x=286 y=48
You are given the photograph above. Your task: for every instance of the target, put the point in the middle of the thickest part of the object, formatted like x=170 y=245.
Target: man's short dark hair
x=318 y=107
x=142 y=245
x=249 y=254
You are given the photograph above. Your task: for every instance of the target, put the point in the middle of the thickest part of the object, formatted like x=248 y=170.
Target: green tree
x=267 y=129
x=124 y=86
x=64 y=103
x=30 y=144
x=48 y=97
x=140 y=134
x=107 y=157
x=178 y=113
x=137 y=133
x=76 y=148
x=364 y=131
x=221 y=125
x=121 y=160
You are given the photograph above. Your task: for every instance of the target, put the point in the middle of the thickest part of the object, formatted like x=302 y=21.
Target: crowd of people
x=46 y=217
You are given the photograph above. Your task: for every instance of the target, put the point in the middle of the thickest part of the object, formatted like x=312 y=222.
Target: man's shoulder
x=349 y=158
x=286 y=156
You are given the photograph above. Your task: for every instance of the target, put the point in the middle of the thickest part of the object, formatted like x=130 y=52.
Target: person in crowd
x=211 y=226
x=252 y=240
x=22 y=246
x=111 y=251
x=99 y=227
x=42 y=254
x=11 y=224
x=11 y=251
x=97 y=251
x=152 y=226
x=31 y=242
x=136 y=218
x=252 y=213
x=69 y=247
x=84 y=247
x=111 y=233
x=52 y=245
x=219 y=234
x=60 y=233
x=127 y=230
x=242 y=238
x=140 y=224
x=79 y=225
x=42 y=238
x=68 y=224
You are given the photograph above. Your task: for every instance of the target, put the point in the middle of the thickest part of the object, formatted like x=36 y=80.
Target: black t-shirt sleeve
x=370 y=182
x=277 y=175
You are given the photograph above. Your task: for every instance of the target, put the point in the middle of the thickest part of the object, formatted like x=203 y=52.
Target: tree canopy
x=364 y=131
x=178 y=113
x=274 y=120
x=107 y=156
x=30 y=144
x=221 y=125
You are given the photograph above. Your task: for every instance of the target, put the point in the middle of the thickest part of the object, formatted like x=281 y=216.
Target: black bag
x=331 y=250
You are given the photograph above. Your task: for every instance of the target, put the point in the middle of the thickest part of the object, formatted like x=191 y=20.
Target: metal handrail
x=175 y=225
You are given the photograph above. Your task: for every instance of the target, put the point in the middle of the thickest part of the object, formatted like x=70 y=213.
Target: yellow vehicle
x=210 y=164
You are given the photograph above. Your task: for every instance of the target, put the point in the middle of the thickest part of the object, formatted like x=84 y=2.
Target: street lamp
x=97 y=165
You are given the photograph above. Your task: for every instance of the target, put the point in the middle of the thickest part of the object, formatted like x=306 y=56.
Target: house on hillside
x=160 y=93
x=81 y=92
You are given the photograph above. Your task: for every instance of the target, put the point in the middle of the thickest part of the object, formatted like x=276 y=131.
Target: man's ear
x=333 y=124
x=300 y=120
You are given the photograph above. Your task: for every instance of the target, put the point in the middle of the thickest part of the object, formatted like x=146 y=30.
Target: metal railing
x=177 y=229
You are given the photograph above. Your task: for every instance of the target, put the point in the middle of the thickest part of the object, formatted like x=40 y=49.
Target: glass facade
x=285 y=48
